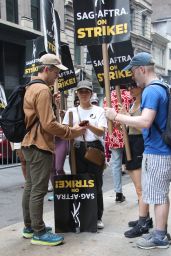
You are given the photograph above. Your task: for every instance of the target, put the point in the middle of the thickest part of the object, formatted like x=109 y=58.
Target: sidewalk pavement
x=108 y=242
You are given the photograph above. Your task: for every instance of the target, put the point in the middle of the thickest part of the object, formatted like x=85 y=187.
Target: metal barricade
x=7 y=155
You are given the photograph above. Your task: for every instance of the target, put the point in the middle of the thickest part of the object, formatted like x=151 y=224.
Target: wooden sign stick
x=72 y=149
x=107 y=82
x=55 y=89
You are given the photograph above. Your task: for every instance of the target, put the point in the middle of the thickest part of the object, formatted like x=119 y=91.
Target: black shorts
x=136 y=143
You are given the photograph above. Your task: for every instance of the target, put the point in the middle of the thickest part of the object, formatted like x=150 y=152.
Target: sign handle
x=72 y=148
x=107 y=82
x=55 y=89
x=125 y=134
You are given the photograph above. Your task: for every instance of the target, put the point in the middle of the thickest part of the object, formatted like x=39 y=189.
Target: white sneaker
x=100 y=224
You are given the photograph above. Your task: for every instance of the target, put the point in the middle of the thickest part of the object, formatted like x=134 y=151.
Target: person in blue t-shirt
x=156 y=165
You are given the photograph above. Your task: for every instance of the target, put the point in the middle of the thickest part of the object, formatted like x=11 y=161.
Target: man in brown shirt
x=38 y=146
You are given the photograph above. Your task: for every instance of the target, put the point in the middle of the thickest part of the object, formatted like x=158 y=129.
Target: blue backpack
x=12 y=118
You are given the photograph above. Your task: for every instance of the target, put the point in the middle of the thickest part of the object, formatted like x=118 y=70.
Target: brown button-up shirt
x=40 y=119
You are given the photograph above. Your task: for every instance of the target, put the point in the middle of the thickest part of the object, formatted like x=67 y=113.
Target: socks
x=160 y=234
x=142 y=220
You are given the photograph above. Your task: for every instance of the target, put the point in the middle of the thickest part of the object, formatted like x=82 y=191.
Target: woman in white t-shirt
x=96 y=123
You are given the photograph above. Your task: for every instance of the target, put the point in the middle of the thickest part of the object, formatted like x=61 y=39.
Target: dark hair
x=76 y=101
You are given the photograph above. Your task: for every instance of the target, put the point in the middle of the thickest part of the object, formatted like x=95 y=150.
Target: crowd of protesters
x=149 y=169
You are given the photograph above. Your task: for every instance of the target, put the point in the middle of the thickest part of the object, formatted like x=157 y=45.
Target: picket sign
x=75 y=203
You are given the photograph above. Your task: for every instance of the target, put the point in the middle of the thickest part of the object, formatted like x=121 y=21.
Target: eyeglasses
x=134 y=68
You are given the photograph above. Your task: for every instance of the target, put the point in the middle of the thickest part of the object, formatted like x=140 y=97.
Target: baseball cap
x=84 y=84
x=52 y=59
x=140 y=59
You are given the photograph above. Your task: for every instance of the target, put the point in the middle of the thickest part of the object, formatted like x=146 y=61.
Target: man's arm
x=48 y=120
x=144 y=121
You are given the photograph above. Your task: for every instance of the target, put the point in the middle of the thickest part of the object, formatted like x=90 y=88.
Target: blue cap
x=140 y=59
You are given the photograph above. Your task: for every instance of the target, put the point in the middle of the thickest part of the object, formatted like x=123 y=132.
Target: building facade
x=20 y=20
x=141 y=25
x=15 y=30
x=159 y=51
x=161 y=24
x=161 y=9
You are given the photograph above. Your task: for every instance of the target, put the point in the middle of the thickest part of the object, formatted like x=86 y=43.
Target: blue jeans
x=116 y=165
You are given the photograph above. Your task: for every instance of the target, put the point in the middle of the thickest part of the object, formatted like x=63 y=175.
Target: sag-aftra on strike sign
x=101 y=21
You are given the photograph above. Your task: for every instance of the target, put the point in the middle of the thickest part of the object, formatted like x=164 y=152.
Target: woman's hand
x=79 y=131
x=84 y=123
x=110 y=113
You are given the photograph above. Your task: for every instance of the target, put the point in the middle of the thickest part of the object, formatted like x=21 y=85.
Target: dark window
x=88 y=59
x=132 y=18
x=144 y=20
x=35 y=13
x=77 y=53
x=12 y=10
x=14 y=65
x=170 y=54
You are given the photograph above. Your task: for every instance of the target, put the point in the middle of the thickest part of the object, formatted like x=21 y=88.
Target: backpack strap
x=166 y=87
x=36 y=81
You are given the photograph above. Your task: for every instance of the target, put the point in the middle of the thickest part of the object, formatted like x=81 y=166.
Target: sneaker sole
x=27 y=236
x=134 y=236
x=37 y=242
x=154 y=247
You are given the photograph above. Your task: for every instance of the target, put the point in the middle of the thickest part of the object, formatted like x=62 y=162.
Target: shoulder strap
x=36 y=81
x=166 y=87
x=163 y=85
x=85 y=142
x=78 y=115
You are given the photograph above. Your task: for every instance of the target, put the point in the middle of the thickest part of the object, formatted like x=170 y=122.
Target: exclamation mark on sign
x=125 y=28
